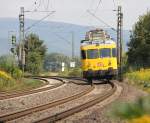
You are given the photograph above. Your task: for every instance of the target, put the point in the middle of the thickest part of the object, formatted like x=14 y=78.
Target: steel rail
x=12 y=116
x=79 y=108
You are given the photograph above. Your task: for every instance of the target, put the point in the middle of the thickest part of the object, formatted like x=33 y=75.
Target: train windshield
x=92 y=53
x=83 y=54
x=105 y=52
x=114 y=52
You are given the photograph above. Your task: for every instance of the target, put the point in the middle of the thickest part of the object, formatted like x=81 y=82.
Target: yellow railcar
x=99 y=59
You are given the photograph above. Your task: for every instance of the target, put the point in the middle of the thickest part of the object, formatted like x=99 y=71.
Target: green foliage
x=53 y=62
x=5 y=80
x=76 y=72
x=34 y=63
x=139 y=45
x=16 y=73
x=23 y=83
x=35 y=53
x=7 y=63
x=139 y=78
x=131 y=110
x=64 y=73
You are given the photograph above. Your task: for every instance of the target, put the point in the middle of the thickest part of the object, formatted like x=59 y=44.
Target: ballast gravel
x=99 y=113
x=24 y=102
x=99 y=89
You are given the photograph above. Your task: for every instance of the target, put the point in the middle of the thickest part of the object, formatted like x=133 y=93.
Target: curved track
x=66 y=113
x=19 y=114
x=79 y=108
x=8 y=95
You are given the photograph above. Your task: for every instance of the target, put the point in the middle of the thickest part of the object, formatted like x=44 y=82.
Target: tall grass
x=74 y=72
x=140 y=78
x=7 y=83
x=133 y=112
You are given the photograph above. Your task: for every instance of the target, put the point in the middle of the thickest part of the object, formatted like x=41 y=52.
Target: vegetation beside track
x=133 y=112
x=140 y=78
x=7 y=83
x=74 y=72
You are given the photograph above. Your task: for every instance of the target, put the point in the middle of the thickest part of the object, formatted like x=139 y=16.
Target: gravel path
x=98 y=113
x=32 y=100
x=99 y=89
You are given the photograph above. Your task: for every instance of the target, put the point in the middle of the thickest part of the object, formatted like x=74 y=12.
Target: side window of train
x=114 y=52
x=105 y=52
x=83 y=54
x=92 y=53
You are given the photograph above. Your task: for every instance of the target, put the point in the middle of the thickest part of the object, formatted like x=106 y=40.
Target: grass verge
x=140 y=79
x=21 y=84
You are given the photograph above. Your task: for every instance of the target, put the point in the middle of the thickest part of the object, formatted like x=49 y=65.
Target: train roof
x=98 y=42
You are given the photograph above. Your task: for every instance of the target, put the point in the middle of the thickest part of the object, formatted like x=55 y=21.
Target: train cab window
x=83 y=54
x=92 y=53
x=105 y=52
x=114 y=52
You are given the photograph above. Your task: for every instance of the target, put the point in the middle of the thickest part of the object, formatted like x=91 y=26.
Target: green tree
x=35 y=53
x=53 y=61
x=139 y=45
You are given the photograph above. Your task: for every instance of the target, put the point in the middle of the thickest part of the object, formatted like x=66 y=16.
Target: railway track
x=8 y=95
x=61 y=114
x=73 y=110
x=8 y=117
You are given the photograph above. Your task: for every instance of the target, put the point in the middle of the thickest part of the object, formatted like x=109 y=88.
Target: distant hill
x=54 y=34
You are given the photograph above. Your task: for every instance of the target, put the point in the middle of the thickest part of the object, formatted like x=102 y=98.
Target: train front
x=99 y=60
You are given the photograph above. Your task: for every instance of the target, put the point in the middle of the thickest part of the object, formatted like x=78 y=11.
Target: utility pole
x=119 y=41
x=22 y=54
x=72 y=35
x=21 y=38
x=72 y=63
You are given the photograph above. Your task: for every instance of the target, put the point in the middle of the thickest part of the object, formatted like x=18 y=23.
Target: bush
x=16 y=73
x=7 y=63
x=75 y=72
x=139 y=77
x=134 y=112
x=5 y=76
x=5 y=80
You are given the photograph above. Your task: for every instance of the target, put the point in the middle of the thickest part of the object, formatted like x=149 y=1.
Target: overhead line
x=98 y=5
x=39 y=21
x=101 y=20
x=62 y=38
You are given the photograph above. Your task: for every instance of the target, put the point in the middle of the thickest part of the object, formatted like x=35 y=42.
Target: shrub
x=133 y=112
x=5 y=76
x=5 y=80
x=7 y=63
x=140 y=77
x=16 y=73
x=76 y=72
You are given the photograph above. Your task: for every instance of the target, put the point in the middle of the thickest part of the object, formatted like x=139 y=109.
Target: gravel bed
x=51 y=83
x=63 y=107
x=20 y=103
x=98 y=113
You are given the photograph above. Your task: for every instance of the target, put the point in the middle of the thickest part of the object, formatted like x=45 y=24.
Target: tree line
x=37 y=59
x=139 y=46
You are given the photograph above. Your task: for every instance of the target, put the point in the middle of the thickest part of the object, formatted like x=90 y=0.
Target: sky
x=75 y=11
